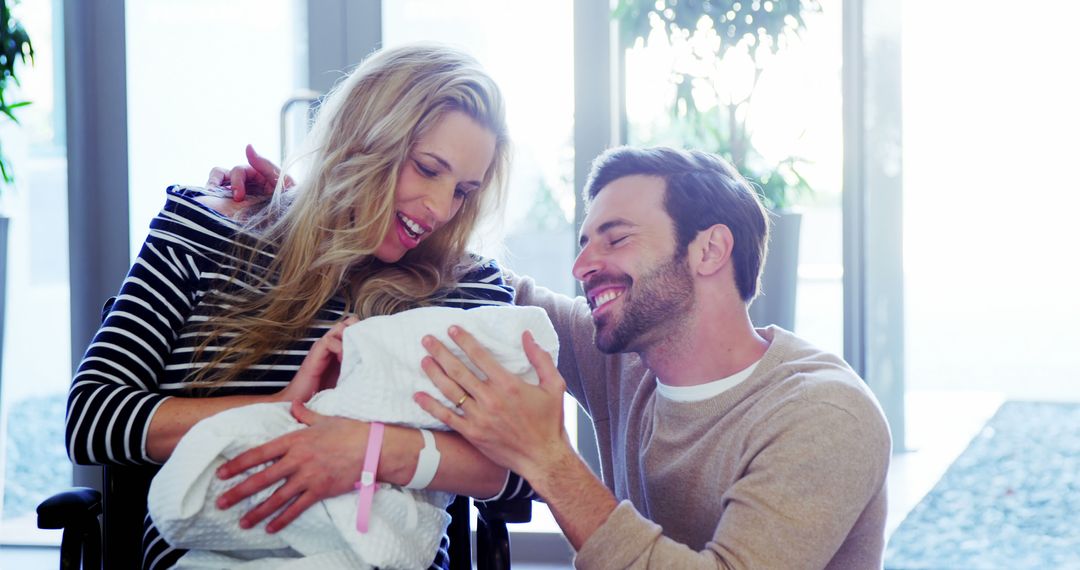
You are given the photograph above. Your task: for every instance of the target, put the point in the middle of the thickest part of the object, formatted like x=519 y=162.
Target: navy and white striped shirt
x=142 y=354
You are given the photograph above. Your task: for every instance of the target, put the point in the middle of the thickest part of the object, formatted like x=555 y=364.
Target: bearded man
x=722 y=445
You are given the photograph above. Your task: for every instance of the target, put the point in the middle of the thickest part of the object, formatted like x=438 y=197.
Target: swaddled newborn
x=380 y=372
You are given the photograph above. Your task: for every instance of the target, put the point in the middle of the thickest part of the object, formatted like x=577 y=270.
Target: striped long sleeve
x=115 y=390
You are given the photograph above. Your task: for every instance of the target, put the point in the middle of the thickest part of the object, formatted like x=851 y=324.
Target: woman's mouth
x=413 y=228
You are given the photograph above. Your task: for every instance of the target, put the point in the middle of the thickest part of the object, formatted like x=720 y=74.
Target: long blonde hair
x=325 y=230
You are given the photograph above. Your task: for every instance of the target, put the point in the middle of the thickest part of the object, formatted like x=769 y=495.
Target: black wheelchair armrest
x=492 y=538
x=79 y=504
x=510 y=510
x=76 y=511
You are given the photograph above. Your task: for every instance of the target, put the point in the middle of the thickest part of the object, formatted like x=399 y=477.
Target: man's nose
x=586 y=264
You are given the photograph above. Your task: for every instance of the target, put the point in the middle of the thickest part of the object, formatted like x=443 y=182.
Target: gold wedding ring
x=462 y=399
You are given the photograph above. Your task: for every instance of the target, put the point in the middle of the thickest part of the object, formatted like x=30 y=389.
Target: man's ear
x=711 y=249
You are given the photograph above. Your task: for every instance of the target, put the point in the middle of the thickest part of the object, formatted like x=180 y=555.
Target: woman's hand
x=320 y=368
x=259 y=177
x=318 y=462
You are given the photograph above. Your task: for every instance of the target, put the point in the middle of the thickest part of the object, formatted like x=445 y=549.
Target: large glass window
x=529 y=52
x=789 y=107
x=990 y=195
x=36 y=352
x=204 y=79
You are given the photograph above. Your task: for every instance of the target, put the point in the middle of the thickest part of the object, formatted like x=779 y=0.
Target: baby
x=380 y=372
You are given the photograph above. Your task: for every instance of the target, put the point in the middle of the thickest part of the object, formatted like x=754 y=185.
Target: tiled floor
x=940 y=424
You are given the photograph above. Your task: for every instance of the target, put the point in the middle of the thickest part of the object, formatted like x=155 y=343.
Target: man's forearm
x=578 y=500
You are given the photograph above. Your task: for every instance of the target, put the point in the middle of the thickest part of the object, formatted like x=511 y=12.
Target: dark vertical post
x=96 y=104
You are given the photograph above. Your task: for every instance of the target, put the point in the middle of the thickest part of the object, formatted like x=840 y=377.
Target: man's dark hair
x=702 y=190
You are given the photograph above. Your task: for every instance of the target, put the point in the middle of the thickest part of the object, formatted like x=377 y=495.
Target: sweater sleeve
x=815 y=471
x=579 y=360
x=115 y=392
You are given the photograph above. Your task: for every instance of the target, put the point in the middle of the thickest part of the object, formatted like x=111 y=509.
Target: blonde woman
x=406 y=154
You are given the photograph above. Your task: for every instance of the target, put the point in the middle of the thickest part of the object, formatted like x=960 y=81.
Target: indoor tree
x=15 y=48
x=726 y=46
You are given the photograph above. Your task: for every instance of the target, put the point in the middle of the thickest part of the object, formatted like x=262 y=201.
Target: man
x=721 y=445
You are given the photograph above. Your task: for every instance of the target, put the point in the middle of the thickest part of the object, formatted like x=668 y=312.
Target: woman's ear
x=711 y=249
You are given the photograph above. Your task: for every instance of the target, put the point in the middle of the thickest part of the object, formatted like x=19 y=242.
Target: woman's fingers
x=285 y=493
x=320 y=368
x=297 y=494
x=268 y=451
x=253 y=484
x=294 y=510
x=316 y=462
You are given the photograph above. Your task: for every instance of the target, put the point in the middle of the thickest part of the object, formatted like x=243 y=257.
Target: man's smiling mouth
x=605 y=296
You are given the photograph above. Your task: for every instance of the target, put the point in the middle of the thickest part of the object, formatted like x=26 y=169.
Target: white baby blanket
x=379 y=374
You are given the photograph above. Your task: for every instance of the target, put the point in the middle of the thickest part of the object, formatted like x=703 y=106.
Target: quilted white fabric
x=380 y=373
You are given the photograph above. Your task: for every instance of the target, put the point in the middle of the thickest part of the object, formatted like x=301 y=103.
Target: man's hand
x=259 y=177
x=321 y=366
x=517 y=425
x=317 y=462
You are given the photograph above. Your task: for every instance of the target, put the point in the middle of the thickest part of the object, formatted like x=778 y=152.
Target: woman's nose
x=440 y=202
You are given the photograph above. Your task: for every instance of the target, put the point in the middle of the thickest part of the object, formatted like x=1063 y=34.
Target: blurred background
x=923 y=147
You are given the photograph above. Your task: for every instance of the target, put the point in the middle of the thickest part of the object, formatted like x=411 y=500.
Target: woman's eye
x=459 y=193
x=425 y=171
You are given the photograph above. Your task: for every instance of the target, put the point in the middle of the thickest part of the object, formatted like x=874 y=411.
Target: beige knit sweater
x=784 y=470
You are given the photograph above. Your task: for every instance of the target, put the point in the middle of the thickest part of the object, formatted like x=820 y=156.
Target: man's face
x=640 y=289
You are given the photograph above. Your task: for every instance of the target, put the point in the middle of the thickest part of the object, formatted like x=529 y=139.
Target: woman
x=406 y=154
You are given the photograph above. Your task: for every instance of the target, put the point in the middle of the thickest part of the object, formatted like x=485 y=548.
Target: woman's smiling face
x=445 y=165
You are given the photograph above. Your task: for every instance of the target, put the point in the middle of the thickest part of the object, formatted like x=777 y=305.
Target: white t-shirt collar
x=704 y=391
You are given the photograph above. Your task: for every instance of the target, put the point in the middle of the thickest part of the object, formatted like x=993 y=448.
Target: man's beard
x=656 y=303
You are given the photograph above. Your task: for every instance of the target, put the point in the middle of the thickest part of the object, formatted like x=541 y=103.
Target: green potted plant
x=726 y=43
x=15 y=48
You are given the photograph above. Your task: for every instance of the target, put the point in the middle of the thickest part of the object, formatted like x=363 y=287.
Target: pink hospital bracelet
x=366 y=484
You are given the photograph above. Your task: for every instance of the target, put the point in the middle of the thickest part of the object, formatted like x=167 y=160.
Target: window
x=795 y=111
x=529 y=52
x=36 y=352
x=201 y=88
x=990 y=199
